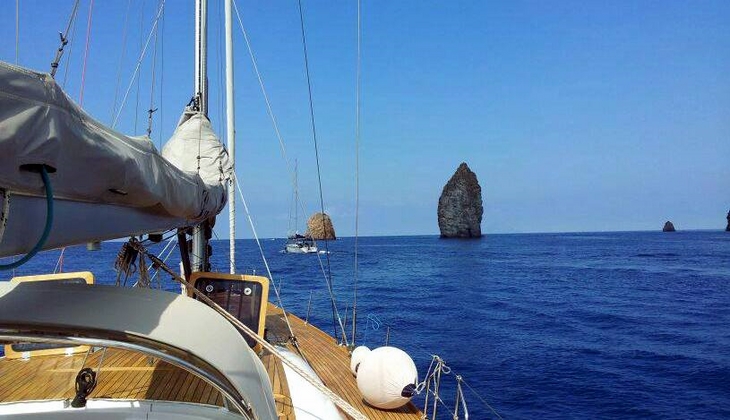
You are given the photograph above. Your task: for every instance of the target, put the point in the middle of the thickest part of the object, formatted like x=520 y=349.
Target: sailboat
x=297 y=243
x=220 y=349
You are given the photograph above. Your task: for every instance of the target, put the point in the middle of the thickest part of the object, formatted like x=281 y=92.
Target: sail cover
x=41 y=125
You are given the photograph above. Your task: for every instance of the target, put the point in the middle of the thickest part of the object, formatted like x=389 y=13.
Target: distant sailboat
x=297 y=243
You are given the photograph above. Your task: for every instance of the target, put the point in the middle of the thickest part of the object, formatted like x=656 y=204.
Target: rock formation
x=460 y=205
x=727 y=228
x=668 y=227
x=319 y=227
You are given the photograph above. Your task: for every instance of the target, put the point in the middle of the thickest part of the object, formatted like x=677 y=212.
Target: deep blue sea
x=549 y=326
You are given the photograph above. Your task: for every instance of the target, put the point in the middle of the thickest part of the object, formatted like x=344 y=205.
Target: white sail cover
x=40 y=125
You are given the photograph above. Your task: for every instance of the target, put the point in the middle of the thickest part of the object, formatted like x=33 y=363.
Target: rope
x=139 y=63
x=283 y=150
x=17 y=30
x=357 y=172
x=86 y=52
x=152 y=109
x=125 y=30
x=59 y=264
x=482 y=399
x=341 y=403
x=316 y=155
x=64 y=41
x=70 y=48
x=263 y=256
x=139 y=80
x=46 y=229
x=162 y=78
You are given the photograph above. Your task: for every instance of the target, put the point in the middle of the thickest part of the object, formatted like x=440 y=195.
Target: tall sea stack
x=668 y=227
x=319 y=227
x=460 y=205
x=727 y=228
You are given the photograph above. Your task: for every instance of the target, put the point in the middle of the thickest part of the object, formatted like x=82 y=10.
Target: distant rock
x=319 y=227
x=668 y=227
x=727 y=229
x=460 y=205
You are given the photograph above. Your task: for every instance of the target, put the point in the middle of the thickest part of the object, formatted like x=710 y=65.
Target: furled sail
x=105 y=184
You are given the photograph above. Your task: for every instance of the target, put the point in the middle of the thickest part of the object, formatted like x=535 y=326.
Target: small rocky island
x=319 y=227
x=668 y=227
x=727 y=228
x=460 y=205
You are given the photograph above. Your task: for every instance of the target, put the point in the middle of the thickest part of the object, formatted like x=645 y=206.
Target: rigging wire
x=125 y=30
x=263 y=256
x=64 y=40
x=275 y=125
x=139 y=63
x=59 y=264
x=162 y=78
x=317 y=384
x=316 y=155
x=86 y=52
x=72 y=27
x=481 y=399
x=358 y=88
x=139 y=80
x=17 y=30
x=152 y=109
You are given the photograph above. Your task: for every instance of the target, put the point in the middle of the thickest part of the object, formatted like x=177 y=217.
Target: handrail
x=228 y=392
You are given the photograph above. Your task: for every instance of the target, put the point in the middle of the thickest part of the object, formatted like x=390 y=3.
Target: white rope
x=460 y=399
x=482 y=399
x=139 y=63
x=261 y=251
x=17 y=30
x=315 y=382
x=357 y=173
x=121 y=57
x=292 y=172
x=173 y=242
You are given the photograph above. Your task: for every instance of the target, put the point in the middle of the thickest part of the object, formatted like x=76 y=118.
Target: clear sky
x=575 y=115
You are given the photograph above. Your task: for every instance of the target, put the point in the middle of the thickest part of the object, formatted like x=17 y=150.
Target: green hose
x=46 y=229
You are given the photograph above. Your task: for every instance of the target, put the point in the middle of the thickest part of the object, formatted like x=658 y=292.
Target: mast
x=296 y=198
x=200 y=237
x=231 y=135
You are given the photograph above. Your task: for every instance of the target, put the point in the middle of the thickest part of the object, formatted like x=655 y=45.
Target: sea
x=629 y=325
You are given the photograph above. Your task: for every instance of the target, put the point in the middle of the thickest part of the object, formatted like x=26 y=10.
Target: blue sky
x=575 y=115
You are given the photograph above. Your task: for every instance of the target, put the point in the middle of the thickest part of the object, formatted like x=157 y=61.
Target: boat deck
x=331 y=362
x=124 y=374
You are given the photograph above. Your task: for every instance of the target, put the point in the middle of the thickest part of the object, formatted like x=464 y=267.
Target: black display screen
x=241 y=299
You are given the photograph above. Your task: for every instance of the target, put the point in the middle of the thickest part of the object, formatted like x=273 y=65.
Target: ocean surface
x=549 y=326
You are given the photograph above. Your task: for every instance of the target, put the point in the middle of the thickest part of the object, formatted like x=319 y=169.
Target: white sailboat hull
x=297 y=249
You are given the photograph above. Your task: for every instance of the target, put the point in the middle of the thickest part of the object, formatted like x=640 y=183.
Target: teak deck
x=130 y=375
x=331 y=362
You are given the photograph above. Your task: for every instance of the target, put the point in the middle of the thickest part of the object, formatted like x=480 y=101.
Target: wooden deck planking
x=331 y=362
x=130 y=375
x=123 y=375
x=280 y=386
